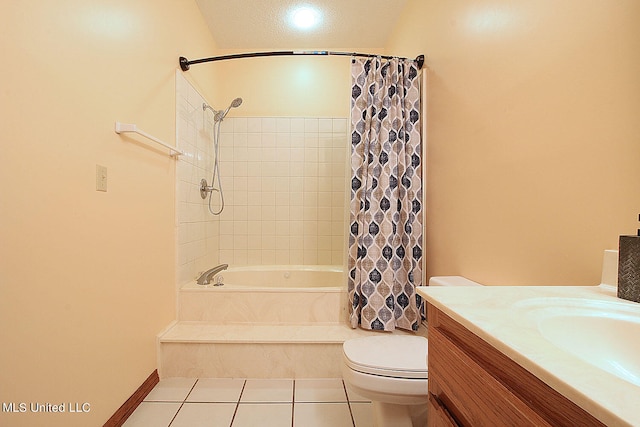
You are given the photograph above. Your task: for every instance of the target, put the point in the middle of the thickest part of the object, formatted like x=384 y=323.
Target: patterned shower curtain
x=385 y=240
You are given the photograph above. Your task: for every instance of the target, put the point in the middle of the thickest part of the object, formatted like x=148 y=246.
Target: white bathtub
x=274 y=294
x=280 y=276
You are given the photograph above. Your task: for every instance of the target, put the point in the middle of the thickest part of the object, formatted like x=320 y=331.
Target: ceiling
x=264 y=24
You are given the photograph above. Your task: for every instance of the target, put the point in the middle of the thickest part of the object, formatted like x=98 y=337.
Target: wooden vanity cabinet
x=473 y=384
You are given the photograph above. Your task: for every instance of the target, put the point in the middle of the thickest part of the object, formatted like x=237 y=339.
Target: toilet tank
x=452 y=281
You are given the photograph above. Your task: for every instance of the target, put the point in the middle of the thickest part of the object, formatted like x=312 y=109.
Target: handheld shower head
x=220 y=115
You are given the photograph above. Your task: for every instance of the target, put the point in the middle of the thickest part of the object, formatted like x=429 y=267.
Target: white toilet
x=391 y=370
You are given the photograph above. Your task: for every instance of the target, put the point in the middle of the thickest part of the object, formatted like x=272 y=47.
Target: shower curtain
x=385 y=239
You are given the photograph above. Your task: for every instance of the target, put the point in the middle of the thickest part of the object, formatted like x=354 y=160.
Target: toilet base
x=394 y=415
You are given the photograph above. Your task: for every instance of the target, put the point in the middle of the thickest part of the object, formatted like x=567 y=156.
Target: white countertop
x=493 y=314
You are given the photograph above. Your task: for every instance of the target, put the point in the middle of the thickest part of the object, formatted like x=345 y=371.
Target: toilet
x=391 y=370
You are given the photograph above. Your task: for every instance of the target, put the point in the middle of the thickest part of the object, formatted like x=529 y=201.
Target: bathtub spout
x=206 y=277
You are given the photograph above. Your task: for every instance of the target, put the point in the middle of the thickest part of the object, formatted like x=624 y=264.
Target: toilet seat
x=395 y=356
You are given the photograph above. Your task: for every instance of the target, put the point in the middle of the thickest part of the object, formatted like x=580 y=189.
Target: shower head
x=220 y=115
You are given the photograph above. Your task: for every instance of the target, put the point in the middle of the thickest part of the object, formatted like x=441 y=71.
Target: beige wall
x=287 y=86
x=533 y=135
x=86 y=277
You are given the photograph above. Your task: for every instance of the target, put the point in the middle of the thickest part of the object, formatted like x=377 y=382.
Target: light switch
x=101 y=178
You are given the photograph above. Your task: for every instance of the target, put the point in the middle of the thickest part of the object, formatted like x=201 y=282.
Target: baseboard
x=132 y=403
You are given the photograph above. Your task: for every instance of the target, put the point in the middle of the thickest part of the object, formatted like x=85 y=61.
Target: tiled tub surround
x=197 y=230
x=284 y=182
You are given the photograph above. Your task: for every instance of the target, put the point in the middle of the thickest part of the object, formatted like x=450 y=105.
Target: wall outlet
x=101 y=178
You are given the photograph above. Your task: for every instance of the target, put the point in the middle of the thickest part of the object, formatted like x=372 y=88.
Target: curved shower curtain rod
x=185 y=64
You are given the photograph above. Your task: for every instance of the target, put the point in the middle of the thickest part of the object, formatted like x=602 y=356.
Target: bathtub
x=274 y=294
x=279 y=277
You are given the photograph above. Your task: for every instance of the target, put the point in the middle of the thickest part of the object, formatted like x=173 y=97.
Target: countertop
x=497 y=315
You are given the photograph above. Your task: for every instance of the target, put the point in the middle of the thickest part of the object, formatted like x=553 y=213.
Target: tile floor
x=223 y=402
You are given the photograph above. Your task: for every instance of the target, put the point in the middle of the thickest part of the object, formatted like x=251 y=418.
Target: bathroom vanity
x=532 y=356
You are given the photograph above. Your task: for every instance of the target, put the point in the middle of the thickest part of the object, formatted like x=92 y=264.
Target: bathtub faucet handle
x=205 y=278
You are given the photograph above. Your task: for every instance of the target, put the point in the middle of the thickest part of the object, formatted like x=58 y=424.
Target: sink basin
x=605 y=334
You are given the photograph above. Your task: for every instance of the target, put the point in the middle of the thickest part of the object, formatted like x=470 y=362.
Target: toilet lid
x=400 y=356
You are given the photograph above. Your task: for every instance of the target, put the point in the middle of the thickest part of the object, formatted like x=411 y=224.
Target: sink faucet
x=205 y=277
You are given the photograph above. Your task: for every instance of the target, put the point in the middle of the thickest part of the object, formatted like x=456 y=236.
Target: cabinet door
x=481 y=386
x=471 y=394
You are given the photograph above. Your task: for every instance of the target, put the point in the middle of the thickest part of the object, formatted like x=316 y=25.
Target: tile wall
x=285 y=187
x=284 y=183
x=197 y=230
